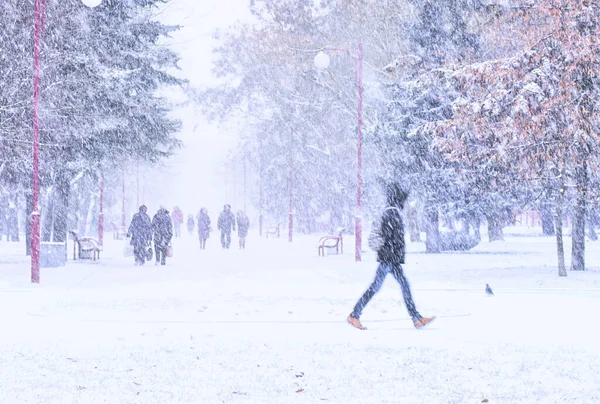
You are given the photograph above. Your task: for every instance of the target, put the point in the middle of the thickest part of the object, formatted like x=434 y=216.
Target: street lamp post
x=321 y=62
x=123 y=206
x=39 y=9
x=101 y=213
x=35 y=215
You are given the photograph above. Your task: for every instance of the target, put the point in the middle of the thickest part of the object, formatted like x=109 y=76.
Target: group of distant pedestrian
x=226 y=224
x=164 y=226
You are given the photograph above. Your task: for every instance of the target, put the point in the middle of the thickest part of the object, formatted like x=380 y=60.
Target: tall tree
x=542 y=104
x=102 y=70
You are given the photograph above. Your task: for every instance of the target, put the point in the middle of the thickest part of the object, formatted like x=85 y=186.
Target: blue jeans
x=382 y=270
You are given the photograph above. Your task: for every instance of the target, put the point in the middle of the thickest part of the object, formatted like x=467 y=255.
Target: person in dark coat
x=391 y=258
x=226 y=224
x=203 y=221
x=162 y=226
x=191 y=224
x=140 y=231
x=243 y=223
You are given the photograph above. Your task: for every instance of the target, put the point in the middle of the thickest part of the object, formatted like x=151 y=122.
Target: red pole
x=291 y=217
x=123 y=207
x=35 y=215
x=101 y=215
x=358 y=232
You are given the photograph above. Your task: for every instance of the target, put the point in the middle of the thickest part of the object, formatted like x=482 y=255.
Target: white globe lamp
x=92 y=3
x=321 y=61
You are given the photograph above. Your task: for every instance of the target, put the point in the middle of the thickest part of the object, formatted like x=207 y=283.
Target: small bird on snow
x=488 y=290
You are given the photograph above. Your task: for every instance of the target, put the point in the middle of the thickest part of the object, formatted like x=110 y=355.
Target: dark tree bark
x=432 y=242
x=494 y=229
x=61 y=207
x=591 y=225
x=476 y=223
x=413 y=224
x=578 y=226
x=47 y=217
x=548 y=219
x=85 y=199
x=3 y=217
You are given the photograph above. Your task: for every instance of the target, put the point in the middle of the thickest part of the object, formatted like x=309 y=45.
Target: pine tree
x=538 y=108
x=438 y=35
x=102 y=70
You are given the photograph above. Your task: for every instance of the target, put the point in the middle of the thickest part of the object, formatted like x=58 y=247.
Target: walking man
x=243 y=224
x=226 y=223
x=203 y=227
x=391 y=258
x=140 y=231
x=163 y=233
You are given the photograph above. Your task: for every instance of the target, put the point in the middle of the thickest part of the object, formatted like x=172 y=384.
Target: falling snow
x=219 y=143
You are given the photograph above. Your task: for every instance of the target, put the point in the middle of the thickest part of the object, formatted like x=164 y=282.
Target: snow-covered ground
x=267 y=325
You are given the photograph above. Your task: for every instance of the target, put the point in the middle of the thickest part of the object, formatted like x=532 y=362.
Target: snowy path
x=267 y=325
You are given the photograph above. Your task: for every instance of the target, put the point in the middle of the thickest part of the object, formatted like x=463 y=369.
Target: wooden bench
x=274 y=230
x=85 y=247
x=332 y=242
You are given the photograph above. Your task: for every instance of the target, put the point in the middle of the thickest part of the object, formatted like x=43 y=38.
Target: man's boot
x=355 y=322
x=423 y=321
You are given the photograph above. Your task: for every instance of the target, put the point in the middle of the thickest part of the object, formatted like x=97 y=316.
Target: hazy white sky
x=189 y=178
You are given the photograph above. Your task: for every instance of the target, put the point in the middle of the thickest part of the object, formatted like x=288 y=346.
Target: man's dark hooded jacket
x=393 y=250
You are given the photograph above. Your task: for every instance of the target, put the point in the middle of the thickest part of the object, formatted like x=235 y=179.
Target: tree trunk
x=548 y=221
x=475 y=222
x=413 y=225
x=494 y=229
x=591 y=228
x=61 y=208
x=83 y=202
x=89 y=217
x=578 y=226
x=558 y=215
x=46 y=214
x=28 y=211
x=432 y=242
x=3 y=216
